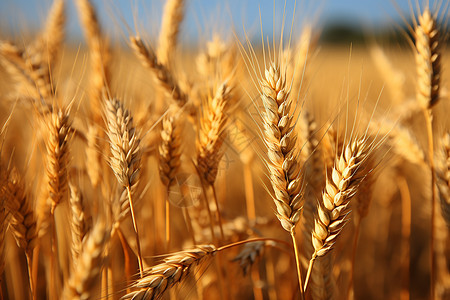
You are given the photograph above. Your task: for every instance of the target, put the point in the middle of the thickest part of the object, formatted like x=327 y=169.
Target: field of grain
x=233 y=170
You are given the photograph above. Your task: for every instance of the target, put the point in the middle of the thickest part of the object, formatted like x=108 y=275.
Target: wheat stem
x=298 y=263
x=429 y=122
x=136 y=230
x=406 y=234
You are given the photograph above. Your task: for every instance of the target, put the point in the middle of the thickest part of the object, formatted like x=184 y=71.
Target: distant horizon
x=203 y=18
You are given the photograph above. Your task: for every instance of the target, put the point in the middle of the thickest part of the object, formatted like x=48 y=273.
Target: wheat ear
x=49 y=42
x=169 y=160
x=79 y=226
x=125 y=155
x=428 y=73
x=212 y=133
x=428 y=60
x=170 y=26
x=340 y=187
x=162 y=74
x=170 y=149
x=30 y=71
x=57 y=144
x=83 y=279
x=100 y=56
x=283 y=161
x=173 y=270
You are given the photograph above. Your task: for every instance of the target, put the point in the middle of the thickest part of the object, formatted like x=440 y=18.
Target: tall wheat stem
x=429 y=124
x=167 y=220
x=406 y=234
x=138 y=244
x=298 y=263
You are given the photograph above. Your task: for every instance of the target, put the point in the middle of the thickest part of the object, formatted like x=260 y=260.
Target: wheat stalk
x=428 y=85
x=125 y=158
x=280 y=137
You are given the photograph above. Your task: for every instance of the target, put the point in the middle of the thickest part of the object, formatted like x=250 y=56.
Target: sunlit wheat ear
x=212 y=133
x=163 y=75
x=79 y=225
x=280 y=139
x=85 y=277
x=50 y=41
x=443 y=174
x=170 y=149
x=171 y=22
x=58 y=134
x=22 y=216
x=341 y=186
x=100 y=56
x=124 y=143
x=173 y=270
x=31 y=73
x=428 y=60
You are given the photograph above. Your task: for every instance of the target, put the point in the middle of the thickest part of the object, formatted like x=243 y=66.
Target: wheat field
x=283 y=169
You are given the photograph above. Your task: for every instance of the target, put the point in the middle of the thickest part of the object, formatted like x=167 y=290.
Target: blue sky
x=205 y=17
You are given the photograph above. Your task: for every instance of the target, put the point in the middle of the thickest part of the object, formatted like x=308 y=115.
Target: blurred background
x=340 y=21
